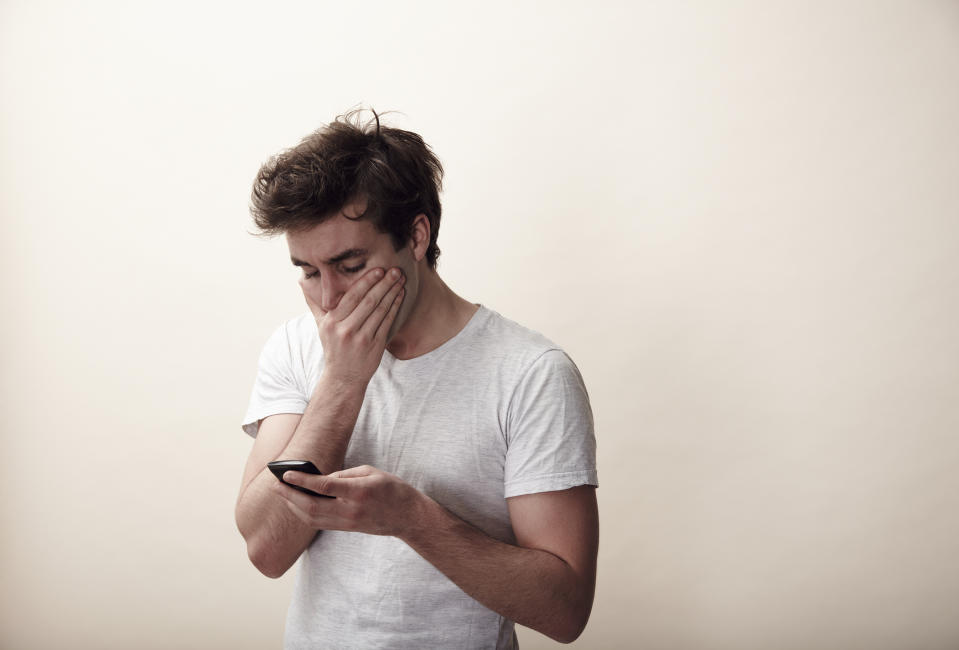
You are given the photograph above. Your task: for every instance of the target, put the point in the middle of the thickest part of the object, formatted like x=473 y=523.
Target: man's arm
x=353 y=335
x=545 y=582
x=275 y=538
x=255 y=519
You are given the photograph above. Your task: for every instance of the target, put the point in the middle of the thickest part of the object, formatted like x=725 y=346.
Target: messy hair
x=393 y=170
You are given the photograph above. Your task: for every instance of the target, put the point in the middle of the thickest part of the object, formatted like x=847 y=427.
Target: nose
x=331 y=290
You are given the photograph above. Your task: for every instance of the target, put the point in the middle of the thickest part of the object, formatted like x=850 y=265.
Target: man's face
x=337 y=252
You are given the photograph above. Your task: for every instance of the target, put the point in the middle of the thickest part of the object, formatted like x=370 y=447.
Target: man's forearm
x=274 y=536
x=528 y=586
x=324 y=432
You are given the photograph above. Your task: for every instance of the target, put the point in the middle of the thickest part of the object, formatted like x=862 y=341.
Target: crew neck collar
x=478 y=316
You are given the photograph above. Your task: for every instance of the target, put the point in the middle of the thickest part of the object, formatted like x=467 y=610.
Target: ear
x=419 y=236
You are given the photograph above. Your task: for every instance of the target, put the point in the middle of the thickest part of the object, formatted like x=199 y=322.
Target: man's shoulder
x=513 y=339
x=298 y=327
x=297 y=335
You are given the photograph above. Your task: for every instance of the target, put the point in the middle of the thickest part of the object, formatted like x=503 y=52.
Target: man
x=458 y=445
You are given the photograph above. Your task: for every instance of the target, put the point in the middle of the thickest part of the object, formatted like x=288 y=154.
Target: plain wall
x=740 y=219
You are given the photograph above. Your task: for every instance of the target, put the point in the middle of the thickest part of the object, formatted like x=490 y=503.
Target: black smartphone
x=281 y=467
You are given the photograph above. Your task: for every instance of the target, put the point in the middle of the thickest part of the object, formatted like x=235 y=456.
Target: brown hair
x=394 y=170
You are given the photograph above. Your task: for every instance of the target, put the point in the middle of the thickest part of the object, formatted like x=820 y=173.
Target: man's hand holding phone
x=354 y=332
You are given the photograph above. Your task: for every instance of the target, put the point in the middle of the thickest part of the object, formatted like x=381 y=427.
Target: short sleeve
x=275 y=389
x=550 y=440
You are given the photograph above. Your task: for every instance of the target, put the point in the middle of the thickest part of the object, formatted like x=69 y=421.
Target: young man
x=458 y=444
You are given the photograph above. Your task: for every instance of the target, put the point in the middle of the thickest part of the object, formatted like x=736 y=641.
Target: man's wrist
x=335 y=384
x=327 y=424
x=424 y=517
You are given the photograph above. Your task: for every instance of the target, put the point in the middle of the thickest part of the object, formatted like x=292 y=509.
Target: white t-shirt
x=495 y=412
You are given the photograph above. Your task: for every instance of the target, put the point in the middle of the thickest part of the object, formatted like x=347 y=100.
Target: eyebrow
x=345 y=255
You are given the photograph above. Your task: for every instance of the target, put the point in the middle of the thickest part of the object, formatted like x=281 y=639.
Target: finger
x=311 y=507
x=372 y=323
x=353 y=472
x=387 y=321
x=322 y=514
x=355 y=293
x=313 y=521
x=318 y=483
x=375 y=297
x=304 y=502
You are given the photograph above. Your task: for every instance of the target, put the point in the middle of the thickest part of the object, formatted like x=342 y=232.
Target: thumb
x=354 y=472
x=319 y=483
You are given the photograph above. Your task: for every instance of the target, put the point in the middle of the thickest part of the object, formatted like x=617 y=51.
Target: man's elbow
x=266 y=562
x=571 y=626
x=260 y=550
x=570 y=634
x=271 y=572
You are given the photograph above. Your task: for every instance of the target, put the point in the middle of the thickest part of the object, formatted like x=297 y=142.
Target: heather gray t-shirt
x=497 y=411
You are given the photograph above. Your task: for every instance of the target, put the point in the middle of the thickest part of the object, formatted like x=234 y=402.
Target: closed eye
x=343 y=269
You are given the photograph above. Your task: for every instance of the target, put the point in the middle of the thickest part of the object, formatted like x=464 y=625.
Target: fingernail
x=378 y=272
x=395 y=273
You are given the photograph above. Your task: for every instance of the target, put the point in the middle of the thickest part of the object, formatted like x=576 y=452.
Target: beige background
x=740 y=219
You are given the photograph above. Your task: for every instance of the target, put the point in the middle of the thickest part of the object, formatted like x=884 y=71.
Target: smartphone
x=281 y=467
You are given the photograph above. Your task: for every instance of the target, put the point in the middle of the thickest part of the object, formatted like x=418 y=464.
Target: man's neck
x=438 y=316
